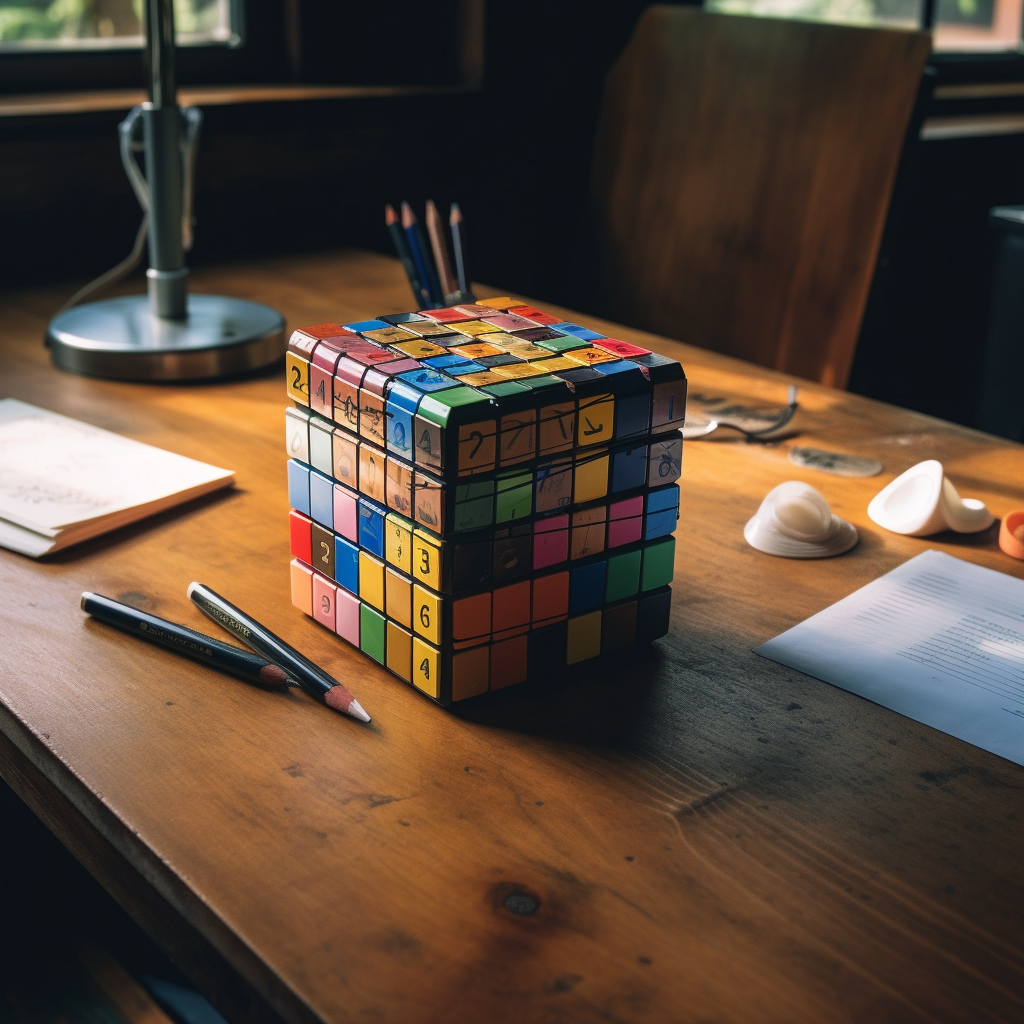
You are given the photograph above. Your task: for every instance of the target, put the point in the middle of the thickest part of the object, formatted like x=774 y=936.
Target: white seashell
x=922 y=501
x=794 y=521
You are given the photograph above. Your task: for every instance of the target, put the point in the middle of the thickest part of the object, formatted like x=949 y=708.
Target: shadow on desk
x=594 y=701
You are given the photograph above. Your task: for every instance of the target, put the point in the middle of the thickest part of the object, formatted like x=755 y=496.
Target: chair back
x=742 y=175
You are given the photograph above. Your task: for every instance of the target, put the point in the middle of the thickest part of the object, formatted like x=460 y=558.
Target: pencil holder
x=482 y=493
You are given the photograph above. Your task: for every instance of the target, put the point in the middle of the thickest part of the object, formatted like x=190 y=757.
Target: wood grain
x=742 y=174
x=703 y=835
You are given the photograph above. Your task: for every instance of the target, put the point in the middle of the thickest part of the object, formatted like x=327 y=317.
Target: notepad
x=937 y=639
x=63 y=481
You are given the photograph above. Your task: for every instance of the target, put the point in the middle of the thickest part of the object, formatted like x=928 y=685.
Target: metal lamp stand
x=166 y=334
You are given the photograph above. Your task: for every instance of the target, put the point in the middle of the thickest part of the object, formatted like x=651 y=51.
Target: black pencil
x=313 y=679
x=459 y=248
x=420 y=294
x=188 y=642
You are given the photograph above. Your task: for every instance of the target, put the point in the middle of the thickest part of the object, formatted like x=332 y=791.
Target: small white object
x=922 y=501
x=795 y=521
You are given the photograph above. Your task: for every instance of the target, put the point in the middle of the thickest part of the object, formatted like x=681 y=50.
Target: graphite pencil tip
x=455 y=217
x=390 y=217
x=408 y=217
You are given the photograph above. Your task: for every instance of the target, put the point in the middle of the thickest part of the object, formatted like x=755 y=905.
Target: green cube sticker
x=623 y=579
x=371 y=633
x=659 y=562
x=515 y=497
x=562 y=344
x=506 y=389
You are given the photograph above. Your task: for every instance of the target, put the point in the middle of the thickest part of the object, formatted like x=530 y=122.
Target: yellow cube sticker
x=297 y=382
x=426 y=561
x=596 y=420
x=426 y=614
x=426 y=668
x=398 y=543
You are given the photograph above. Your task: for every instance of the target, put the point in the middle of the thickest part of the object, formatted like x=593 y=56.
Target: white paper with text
x=937 y=639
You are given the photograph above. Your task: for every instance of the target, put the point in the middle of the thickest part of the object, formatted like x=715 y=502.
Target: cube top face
x=482 y=493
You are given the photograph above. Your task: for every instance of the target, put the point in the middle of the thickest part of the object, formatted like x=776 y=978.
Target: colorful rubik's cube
x=482 y=493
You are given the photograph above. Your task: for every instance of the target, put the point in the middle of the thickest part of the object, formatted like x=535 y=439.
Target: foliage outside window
x=69 y=25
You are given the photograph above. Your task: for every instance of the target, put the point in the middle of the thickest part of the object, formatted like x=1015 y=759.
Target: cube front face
x=483 y=493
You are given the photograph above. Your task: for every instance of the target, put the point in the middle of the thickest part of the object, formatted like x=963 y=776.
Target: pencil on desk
x=421 y=254
x=419 y=291
x=313 y=679
x=449 y=284
x=459 y=247
x=187 y=642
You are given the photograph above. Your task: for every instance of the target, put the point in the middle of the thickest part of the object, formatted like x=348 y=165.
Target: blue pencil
x=421 y=255
x=420 y=294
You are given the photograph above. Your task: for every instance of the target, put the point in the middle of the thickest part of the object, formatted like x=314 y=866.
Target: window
x=28 y=26
x=63 y=45
x=980 y=26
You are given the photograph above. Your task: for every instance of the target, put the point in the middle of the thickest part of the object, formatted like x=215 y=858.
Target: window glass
x=960 y=25
x=28 y=26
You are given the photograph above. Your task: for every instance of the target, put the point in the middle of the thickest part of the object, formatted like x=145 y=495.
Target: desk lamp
x=167 y=334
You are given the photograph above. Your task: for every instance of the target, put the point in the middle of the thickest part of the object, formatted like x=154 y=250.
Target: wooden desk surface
x=709 y=836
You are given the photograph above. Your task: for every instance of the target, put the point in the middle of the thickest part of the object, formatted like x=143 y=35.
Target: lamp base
x=122 y=339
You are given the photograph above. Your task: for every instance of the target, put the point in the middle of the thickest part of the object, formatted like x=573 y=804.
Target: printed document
x=937 y=639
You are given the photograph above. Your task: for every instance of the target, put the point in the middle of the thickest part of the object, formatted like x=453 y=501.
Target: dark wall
x=926 y=327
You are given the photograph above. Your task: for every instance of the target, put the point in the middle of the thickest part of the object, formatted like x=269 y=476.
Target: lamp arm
x=129 y=133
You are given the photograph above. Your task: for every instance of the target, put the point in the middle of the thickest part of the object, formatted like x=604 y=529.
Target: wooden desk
x=707 y=835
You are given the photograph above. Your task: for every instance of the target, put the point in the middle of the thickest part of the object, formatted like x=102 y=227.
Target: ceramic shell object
x=922 y=501
x=795 y=521
x=1011 y=534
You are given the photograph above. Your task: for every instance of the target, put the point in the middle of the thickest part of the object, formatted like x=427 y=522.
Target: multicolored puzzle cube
x=482 y=493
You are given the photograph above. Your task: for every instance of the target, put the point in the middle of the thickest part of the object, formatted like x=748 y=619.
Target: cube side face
x=480 y=500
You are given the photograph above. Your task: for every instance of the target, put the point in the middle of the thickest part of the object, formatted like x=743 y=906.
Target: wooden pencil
x=435 y=229
x=313 y=679
x=459 y=247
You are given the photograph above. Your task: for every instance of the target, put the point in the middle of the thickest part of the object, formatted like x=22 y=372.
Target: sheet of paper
x=56 y=472
x=937 y=639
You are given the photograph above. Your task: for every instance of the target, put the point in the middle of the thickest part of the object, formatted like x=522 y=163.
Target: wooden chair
x=742 y=174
